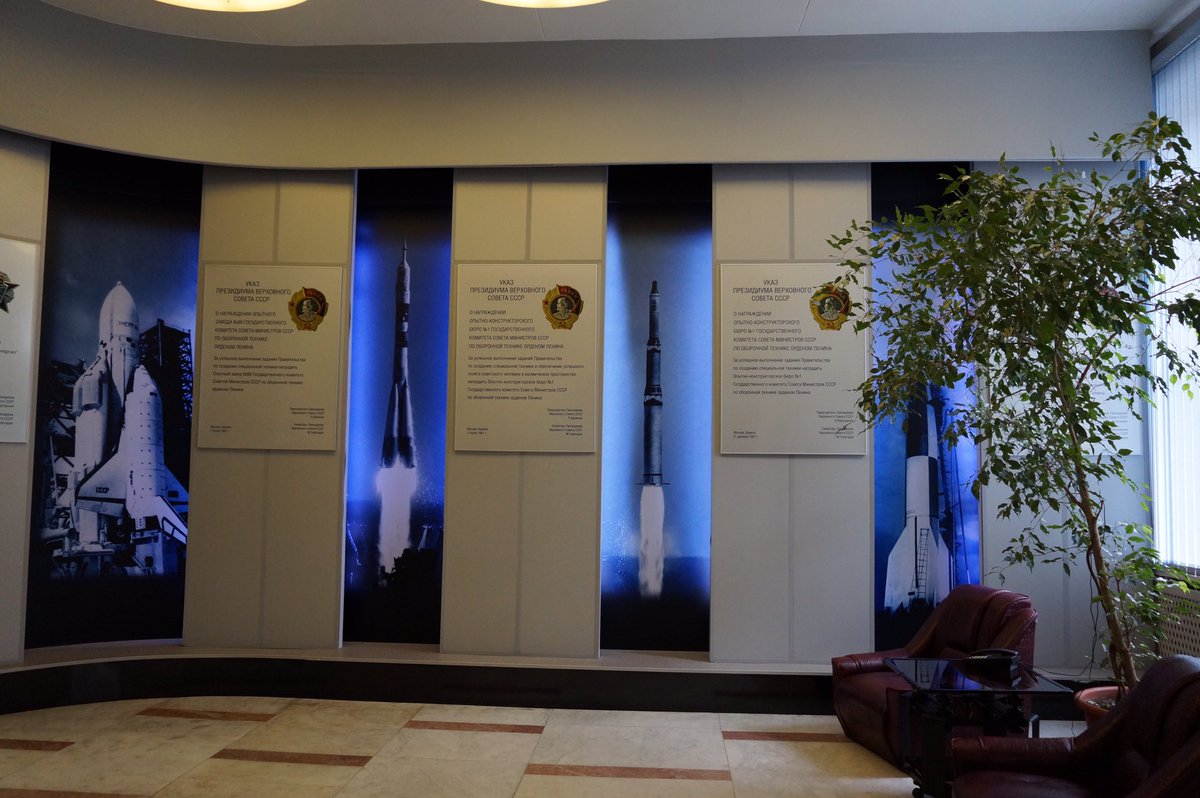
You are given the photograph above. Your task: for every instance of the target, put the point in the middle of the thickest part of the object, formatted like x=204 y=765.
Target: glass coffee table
x=952 y=693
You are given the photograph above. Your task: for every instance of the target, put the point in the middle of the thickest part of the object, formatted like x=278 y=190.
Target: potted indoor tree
x=1044 y=296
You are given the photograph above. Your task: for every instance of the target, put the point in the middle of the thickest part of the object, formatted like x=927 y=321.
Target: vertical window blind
x=1175 y=421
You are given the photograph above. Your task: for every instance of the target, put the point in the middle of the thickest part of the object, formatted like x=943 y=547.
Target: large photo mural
x=657 y=431
x=109 y=531
x=926 y=518
x=396 y=463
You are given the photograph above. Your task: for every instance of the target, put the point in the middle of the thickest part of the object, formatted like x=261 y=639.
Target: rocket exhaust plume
x=397 y=478
x=650 y=547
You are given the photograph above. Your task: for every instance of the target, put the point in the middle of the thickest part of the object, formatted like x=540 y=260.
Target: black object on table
x=983 y=691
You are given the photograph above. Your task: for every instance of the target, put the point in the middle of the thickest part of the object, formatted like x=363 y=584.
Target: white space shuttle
x=918 y=566
x=134 y=479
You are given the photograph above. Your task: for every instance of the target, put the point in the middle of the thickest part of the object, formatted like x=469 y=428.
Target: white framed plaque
x=790 y=361
x=18 y=292
x=525 y=357
x=271 y=357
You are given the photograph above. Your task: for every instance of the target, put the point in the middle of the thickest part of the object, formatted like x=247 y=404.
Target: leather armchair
x=1147 y=747
x=866 y=694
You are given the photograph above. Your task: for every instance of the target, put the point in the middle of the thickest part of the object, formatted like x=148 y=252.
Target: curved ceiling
x=357 y=22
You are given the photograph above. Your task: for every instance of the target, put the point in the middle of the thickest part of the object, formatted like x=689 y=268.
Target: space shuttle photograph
x=112 y=505
x=112 y=436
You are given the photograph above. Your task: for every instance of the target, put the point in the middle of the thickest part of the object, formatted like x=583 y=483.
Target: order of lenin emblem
x=308 y=308
x=830 y=306
x=562 y=306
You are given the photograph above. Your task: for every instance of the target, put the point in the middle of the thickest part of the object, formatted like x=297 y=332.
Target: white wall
x=25 y=167
x=861 y=98
x=267 y=543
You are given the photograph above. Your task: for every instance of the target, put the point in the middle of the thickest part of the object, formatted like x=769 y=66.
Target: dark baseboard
x=574 y=688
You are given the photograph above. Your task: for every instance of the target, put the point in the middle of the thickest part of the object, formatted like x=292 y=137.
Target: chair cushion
x=868 y=708
x=1005 y=784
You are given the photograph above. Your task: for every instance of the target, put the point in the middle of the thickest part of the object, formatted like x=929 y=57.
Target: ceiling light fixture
x=545 y=3
x=234 y=5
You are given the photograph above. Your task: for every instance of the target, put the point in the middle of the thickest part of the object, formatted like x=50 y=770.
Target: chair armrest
x=1047 y=756
x=867 y=662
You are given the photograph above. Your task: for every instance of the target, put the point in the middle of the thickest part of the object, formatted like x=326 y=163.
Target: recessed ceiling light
x=545 y=3
x=234 y=5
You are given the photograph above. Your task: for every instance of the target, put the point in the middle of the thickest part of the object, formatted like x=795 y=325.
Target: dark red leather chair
x=866 y=694
x=1148 y=747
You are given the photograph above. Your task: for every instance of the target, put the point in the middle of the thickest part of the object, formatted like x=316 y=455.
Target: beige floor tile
x=73 y=722
x=829 y=760
x=662 y=720
x=468 y=745
x=230 y=703
x=12 y=761
x=1061 y=728
x=473 y=714
x=194 y=787
x=632 y=746
x=330 y=727
x=811 y=724
x=753 y=783
x=435 y=778
x=590 y=787
x=276 y=773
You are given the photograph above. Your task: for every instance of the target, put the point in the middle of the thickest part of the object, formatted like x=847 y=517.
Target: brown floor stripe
x=291 y=758
x=204 y=714
x=603 y=771
x=445 y=725
x=12 y=792
x=33 y=745
x=789 y=737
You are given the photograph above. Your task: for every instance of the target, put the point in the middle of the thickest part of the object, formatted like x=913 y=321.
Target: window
x=1175 y=422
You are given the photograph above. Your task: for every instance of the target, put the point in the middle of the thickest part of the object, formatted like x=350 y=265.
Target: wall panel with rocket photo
x=657 y=431
x=395 y=453
x=109 y=521
x=926 y=518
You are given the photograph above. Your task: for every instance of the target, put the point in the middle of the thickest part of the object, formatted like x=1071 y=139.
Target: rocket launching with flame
x=397 y=477
x=653 y=512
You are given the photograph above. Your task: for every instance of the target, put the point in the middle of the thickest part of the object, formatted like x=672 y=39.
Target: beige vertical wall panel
x=560 y=501
x=832 y=560
x=238 y=223
x=25 y=166
x=491 y=214
x=25 y=174
x=828 y=196
x=223 y=586
x=831 y=496
x=750 y=611
x=316 y=218
x=265 y=553
x=515 y=578
x=304 y=549
x=751 y=559
x=753 y=204
x=783 y=545
x=559 y=594
x=567 y=214
x=480 y=551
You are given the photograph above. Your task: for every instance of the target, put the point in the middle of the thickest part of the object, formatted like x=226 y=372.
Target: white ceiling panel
x=341 y=22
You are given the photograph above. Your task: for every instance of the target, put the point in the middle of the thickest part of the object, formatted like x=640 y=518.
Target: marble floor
x=227 y=747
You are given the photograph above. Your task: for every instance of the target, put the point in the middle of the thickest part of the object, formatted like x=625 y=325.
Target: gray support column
x=266 y=539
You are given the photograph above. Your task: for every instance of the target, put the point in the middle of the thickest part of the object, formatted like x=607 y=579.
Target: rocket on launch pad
x=918 y=566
